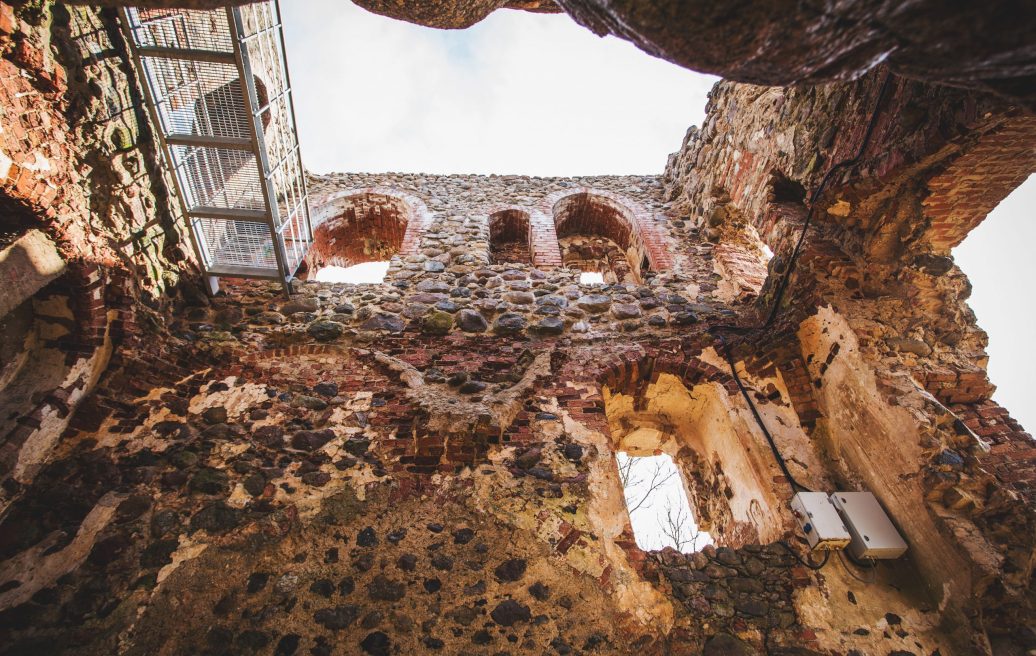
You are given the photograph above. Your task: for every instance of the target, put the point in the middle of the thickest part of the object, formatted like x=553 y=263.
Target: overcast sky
x=538 y=95
x=517 y=93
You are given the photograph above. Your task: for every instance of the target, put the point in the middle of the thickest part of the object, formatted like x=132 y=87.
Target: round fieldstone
x=470 y=321
x=416 y=310
x=509 y=612
x=594 y=302
x=437 y=322
x=382 y=588
x=311 y=440
x=325 y=331
x=509 y=323
x=376 y=644
x=215 y=415
x=684 y=318
x=384 y=321
x=549 y=326
x=519 y=298
x=626 y=310
x=300 y=305
x=472 y=387
x=510 y=570
x=336 y=618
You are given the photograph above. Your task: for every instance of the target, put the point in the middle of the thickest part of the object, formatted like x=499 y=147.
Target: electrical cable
x=848 y=571
x=795 y=485
x=782 y=286
x=806 y=563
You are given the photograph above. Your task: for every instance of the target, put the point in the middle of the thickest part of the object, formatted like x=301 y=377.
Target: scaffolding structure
x=217 y=87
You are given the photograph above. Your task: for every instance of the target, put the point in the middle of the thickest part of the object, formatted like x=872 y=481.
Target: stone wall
x=428 y=464
x=79 y=175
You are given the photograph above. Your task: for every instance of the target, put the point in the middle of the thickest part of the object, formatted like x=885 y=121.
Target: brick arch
x=544 y=251
x=366 y=225
x=588 y=211
x=510 y=236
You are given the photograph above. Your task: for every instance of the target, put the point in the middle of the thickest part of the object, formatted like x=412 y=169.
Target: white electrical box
x=819 y=521
x=873 y=534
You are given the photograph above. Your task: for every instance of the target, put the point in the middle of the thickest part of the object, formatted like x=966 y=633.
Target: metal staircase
x=217 y=87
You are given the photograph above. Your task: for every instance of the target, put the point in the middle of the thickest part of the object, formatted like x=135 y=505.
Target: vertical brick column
x=543 y=241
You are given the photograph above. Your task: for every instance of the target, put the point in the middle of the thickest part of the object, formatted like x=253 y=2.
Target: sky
x=534 y=94
x=518 y=93
x=994 y=257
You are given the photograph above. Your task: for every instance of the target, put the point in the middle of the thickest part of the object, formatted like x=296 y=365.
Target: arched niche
x=596 y=233
x=360 y=227
x=509 y=237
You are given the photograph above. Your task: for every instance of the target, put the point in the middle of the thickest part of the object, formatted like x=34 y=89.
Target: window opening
x=591 y=278
x=596 y=234
x=366 y=273
x=356 y=244
x=659 y=511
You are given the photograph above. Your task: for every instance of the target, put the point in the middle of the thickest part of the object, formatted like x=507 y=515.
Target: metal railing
x=217 y=88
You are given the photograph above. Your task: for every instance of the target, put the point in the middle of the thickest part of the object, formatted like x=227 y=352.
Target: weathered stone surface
x=509 y=324
x=382 y=321
x=471 y=321
x=509 y=612
x=404 y=486
x=325 y=331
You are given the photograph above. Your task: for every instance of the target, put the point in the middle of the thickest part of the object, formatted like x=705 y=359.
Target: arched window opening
x=509 y=237
x=597 y=235
x=356 y=244
x=657 y=504
x=722 y=470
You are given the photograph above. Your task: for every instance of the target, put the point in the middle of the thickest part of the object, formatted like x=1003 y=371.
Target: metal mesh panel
x=201 y=98
x=295 y=236
x=236 y=243
x=218 y=88
x=219 y=177
x=182 y=28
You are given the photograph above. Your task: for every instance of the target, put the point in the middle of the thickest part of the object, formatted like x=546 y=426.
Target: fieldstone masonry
x=427 y=464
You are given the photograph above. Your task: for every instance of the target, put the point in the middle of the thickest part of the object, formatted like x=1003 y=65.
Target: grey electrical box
x=819 y=521
x=873 y=534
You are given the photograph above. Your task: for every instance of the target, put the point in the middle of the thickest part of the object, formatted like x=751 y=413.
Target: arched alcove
x=598 y=234
x=509 y=240
x=362 y=227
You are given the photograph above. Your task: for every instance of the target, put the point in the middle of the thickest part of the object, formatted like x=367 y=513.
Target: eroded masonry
x=428 y=464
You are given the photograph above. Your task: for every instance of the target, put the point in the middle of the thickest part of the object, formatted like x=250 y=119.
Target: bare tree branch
x=679 y=528
x=635 y=498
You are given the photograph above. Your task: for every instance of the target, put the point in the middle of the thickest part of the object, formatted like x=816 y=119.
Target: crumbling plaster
x=428 y=464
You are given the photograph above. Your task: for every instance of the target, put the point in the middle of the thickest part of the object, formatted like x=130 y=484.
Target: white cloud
x=517 y=93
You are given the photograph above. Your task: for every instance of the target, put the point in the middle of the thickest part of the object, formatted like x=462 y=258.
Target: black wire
x=782 y=286
x=841 y=557
x=806 y=563
x=759 y=420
